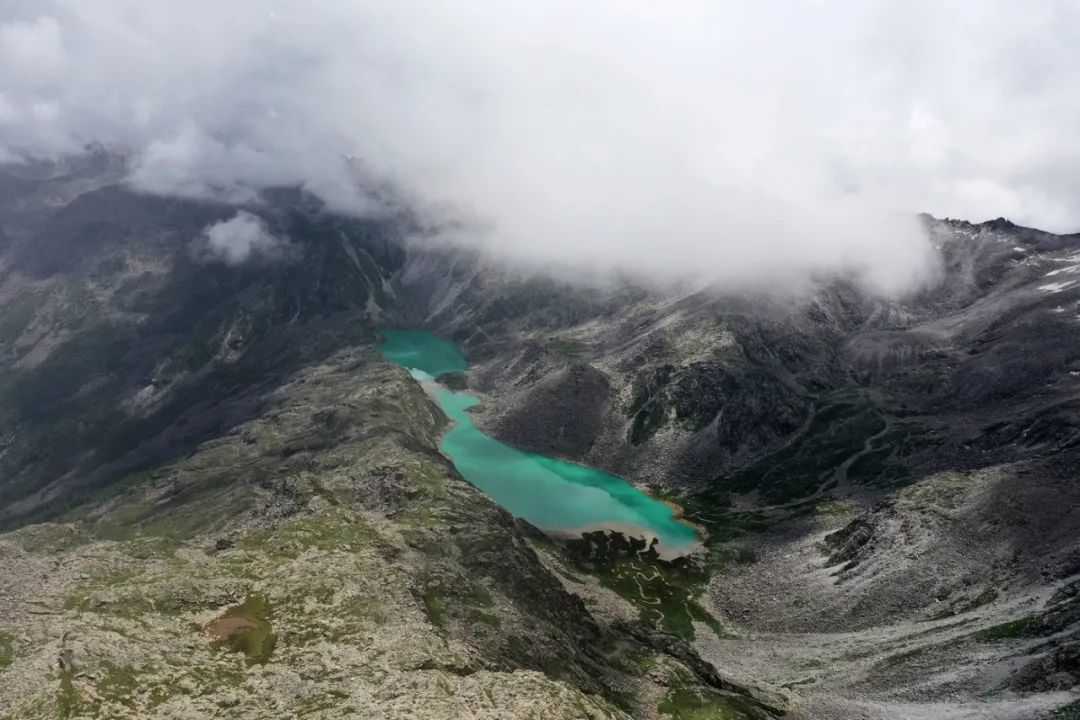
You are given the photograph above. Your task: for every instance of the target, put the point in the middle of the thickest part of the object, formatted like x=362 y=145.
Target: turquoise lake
x=554 y=495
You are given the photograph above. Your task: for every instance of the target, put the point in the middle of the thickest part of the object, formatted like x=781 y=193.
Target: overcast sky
x=743 y=142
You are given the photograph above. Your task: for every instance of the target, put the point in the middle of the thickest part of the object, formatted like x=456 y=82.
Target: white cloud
x=7 y=110
x=749 y=143
x=31 y=51
x=241 y=239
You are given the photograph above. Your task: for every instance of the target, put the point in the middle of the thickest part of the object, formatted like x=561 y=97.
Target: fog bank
x=750 y=145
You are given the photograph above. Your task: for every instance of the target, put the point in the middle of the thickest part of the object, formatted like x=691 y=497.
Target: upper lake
x=555 y=495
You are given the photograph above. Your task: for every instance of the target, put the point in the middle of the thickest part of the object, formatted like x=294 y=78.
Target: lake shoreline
x=563 y=498
x=663 y=550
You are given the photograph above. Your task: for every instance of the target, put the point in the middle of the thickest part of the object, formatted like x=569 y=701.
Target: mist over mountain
x=603 y=361
x=753 y=146
x=211 y=483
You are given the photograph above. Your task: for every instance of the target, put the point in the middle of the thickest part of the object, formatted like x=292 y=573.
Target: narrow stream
x=558 y=497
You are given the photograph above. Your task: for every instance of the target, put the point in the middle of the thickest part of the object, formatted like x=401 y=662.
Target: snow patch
x=1057 y=287
x=1070 y=269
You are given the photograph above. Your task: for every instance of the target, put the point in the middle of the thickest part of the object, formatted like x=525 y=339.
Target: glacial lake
x=556 y=496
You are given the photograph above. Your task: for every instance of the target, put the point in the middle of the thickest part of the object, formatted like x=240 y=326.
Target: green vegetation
x=15 y=315
x=647 y=421
x=1026 y=627
x=449 y=598
x=834 y=434
x=7 y=649
x=210 y=332
x=246 y=628
x=744 y=555
x=938 y=493
x=1066 y=712
x=95 y=352
x=664 y=592
x=702 y=704
x=67 y=697
x=648 y=407
x=456 y=381
x=435 y=607
x=830 y=507
x=846 y=428
x=568 y=347
x=120 y=684
x=985 y=597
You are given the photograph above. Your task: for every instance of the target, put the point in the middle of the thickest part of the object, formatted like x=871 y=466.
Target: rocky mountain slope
x=218 y=500
x=683 y=388
x=322 y=560
x=887 y=484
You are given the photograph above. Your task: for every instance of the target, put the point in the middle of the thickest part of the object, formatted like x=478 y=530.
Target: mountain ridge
x=867 y=472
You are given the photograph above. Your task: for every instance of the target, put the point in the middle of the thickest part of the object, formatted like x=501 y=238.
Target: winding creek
x=557 y=496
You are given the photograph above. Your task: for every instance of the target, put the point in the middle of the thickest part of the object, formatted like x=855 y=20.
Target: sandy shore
x=677 y=511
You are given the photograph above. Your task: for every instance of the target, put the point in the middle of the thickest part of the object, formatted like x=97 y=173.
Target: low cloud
x=242 y=239
x=751 y=144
